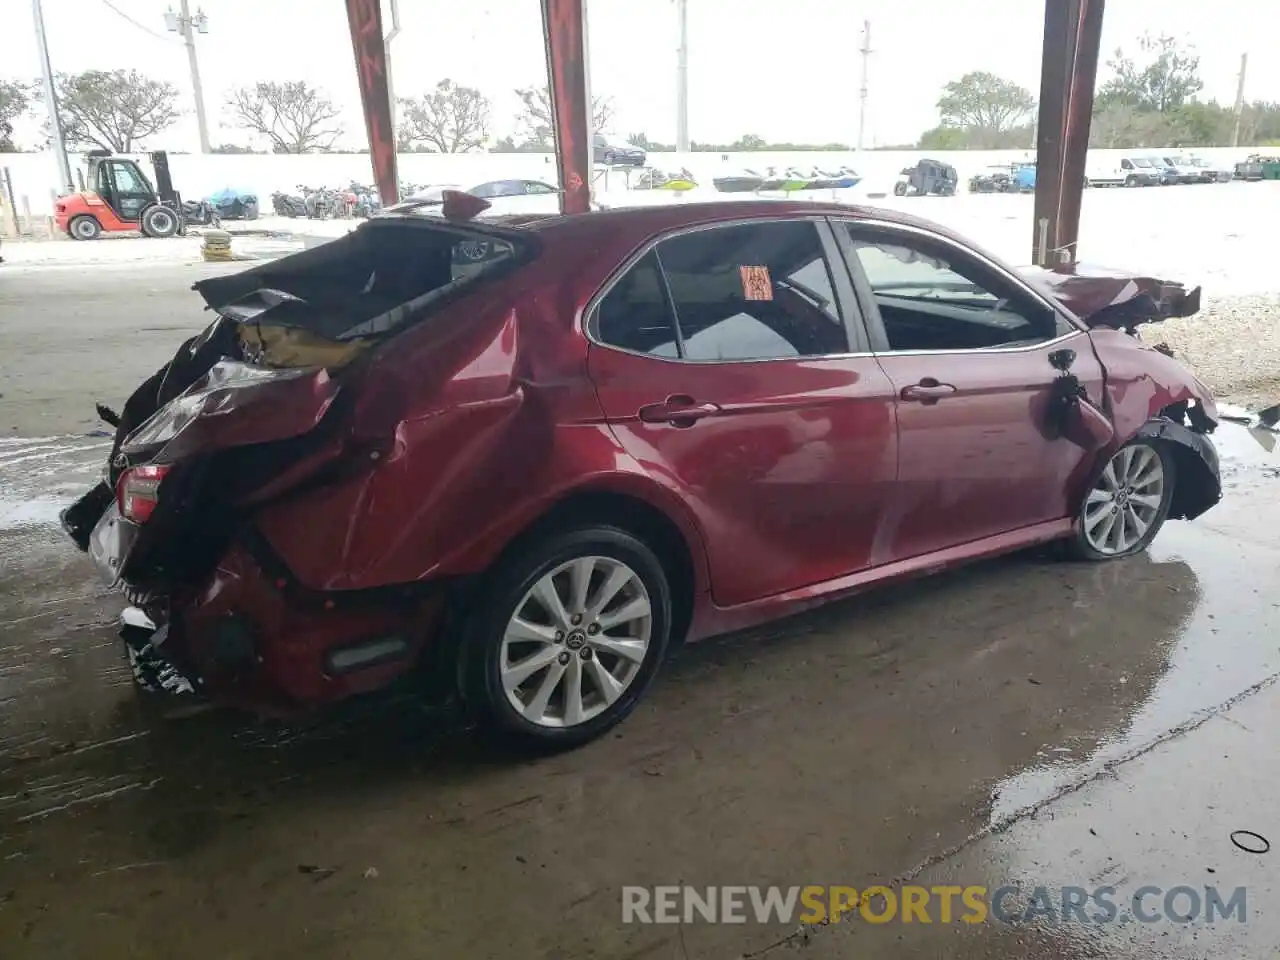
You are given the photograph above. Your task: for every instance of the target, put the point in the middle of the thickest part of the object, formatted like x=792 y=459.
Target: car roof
x=647 y=220
x=643 y=222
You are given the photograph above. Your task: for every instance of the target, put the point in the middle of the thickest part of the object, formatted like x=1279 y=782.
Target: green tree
x=449 y=119
x=1168 y=77
x=986 y=107
x=15 y=99
x=114 y=109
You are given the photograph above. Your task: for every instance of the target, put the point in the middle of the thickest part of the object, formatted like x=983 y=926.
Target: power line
x=145 y=29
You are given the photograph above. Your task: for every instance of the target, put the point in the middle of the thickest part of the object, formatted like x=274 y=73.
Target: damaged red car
x=518 y=459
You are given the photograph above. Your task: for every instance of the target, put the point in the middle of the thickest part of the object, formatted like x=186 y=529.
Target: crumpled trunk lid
x=1114 y=299
x=235 y=404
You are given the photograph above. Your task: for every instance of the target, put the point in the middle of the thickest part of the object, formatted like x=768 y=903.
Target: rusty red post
x=364 y=18
x=1068 y=73
x=1075 y=145
x=563 y=27
x=1060 y=17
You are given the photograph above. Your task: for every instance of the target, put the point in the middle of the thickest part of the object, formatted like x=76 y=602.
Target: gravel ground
x=1233 y=345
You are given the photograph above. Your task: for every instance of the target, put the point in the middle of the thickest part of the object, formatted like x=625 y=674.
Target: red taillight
x=138 y=491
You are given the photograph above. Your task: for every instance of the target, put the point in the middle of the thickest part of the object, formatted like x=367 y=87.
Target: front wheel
x=84 y=227
x=1130 y=181
x=159 y=222
x=1128 y=503
x=568 y=637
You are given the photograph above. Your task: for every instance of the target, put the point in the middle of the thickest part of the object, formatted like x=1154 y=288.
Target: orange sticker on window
x=756 y=283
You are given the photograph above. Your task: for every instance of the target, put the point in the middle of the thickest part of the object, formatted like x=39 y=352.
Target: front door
x=966 y=347
x=726 y=364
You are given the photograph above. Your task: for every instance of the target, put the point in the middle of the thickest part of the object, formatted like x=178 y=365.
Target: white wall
x=35 y=175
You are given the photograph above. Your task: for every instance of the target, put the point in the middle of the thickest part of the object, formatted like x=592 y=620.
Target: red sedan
x=521 y=458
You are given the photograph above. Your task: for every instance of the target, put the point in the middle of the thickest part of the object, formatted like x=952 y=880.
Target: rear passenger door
x=731 y=363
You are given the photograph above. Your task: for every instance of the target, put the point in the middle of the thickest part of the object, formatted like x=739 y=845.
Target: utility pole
x=682 y=78
x=51 y=99
x=390 y=35
x=187 y=25
x=865 y=50
x=1244 y=65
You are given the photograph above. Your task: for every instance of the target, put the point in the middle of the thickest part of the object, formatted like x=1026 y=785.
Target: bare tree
x=295 y=117
x=114 y=109
x=535 y=115
x=449 y=119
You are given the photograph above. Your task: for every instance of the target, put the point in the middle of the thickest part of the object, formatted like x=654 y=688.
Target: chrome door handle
x=679 y=410
x=927 y=390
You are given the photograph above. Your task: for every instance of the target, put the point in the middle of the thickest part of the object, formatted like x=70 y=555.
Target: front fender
x=1151 y=395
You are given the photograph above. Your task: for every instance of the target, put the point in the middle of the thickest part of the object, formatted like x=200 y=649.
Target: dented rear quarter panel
x=473 y=426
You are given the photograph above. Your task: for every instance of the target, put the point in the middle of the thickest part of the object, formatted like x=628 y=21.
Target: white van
x=1127 y=171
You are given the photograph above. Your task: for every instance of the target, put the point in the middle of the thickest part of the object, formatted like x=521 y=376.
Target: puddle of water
x=1226 y=645
x=41 y=475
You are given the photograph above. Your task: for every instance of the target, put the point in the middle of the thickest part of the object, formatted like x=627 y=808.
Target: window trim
x=871 y=312
x=846 y=306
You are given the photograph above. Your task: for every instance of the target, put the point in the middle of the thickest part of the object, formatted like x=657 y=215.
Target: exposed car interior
x=366 y=283
x=792 y=314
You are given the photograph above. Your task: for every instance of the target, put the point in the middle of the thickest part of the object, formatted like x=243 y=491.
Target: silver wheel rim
x=1124 y=504
x=84 y=228
x=576 y=642
x=161 y=222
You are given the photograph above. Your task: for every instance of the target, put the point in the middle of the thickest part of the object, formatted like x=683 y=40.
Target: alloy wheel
x=576 y=641
x=1125 y=503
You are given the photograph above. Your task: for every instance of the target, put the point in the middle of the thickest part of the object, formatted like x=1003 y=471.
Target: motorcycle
x=288 y=204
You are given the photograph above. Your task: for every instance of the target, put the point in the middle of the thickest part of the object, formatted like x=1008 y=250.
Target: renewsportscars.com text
x=879 y=904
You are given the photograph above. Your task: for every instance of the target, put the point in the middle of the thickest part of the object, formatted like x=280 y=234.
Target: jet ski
x=744 y=181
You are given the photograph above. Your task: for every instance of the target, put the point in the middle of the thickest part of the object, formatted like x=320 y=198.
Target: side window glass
x=534 y=187
x=634 y=314
x=1126 y=165
x=929 y=299
x=485 y=190
x=753 y=292
x=127 y=180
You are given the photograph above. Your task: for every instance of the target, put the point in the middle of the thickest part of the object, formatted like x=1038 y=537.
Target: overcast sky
x=784 y=70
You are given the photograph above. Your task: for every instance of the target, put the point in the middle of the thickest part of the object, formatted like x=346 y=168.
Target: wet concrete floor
x=1022 y=722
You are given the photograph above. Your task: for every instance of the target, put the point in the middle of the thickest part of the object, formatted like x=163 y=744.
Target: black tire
x=1079 y=547
x=1131 y=181
x=500 y=599
x=84 y=227
x=159 y=222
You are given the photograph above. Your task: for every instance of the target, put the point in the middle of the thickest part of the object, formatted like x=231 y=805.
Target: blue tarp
x=230 y=195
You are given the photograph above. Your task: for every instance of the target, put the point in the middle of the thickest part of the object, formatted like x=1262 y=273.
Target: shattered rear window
x=371 y=282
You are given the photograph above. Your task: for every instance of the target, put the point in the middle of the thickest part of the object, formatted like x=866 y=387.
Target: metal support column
x=1068 y=72
x=364 y=18
x=563 y=25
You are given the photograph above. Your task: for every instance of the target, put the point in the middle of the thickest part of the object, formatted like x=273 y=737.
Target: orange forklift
x=118 y=198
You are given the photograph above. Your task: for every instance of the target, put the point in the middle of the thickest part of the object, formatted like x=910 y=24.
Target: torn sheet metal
x=1115 y=299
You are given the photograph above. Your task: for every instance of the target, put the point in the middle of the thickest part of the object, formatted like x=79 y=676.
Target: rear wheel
x=568 y=637
x=84 y=227
x=1128 y=504
x=159 y=222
